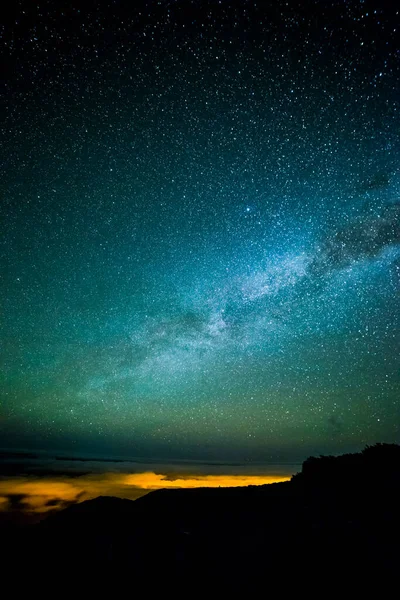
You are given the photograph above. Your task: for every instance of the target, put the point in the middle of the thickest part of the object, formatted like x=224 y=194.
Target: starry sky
x=200 y=228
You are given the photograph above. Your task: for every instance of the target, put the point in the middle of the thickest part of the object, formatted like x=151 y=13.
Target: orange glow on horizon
x=40 y=495
x=154 y=481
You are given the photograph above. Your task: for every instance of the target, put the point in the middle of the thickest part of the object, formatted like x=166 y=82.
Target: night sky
x=200 y=228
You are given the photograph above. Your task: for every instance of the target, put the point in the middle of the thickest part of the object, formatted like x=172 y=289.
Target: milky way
x=200 y=232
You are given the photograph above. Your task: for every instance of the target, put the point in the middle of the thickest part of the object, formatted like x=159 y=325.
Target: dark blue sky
x=200 y=228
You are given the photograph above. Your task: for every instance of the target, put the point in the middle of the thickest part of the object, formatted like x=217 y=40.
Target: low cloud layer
x=41 y=495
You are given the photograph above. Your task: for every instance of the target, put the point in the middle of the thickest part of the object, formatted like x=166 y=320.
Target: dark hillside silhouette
x=379 y=463
x=338 y=518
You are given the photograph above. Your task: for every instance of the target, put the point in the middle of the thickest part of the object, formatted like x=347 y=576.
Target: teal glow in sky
x=200 y=237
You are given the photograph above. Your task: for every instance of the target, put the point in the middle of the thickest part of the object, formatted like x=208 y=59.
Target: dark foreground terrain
x=336 y=521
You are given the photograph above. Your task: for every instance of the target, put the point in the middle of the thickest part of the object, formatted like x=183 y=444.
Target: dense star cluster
x=200 y=227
